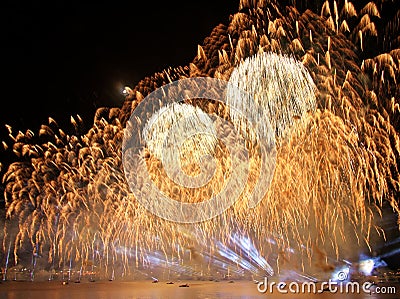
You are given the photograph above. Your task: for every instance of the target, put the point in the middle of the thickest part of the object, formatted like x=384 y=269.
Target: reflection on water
x=146 y=289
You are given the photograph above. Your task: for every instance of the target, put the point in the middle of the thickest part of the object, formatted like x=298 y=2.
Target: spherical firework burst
x=182 y=119
x=279 y=85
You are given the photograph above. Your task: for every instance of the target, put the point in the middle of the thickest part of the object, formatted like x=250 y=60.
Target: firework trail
x=68 y=201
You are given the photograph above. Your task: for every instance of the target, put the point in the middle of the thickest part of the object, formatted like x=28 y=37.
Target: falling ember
x=332 y=103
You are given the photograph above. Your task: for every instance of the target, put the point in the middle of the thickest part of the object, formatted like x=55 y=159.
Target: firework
x=69 y=206
x=281 y=87
x=187 y=120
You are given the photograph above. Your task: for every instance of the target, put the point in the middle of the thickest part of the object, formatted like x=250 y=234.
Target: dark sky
x=66 y=57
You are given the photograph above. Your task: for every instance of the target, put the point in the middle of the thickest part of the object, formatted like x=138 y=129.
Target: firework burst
x=68 y=203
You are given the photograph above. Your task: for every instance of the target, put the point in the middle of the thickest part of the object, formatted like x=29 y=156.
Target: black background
x=62 y=58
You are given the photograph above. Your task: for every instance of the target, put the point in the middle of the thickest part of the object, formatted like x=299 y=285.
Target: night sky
x=64 y=58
